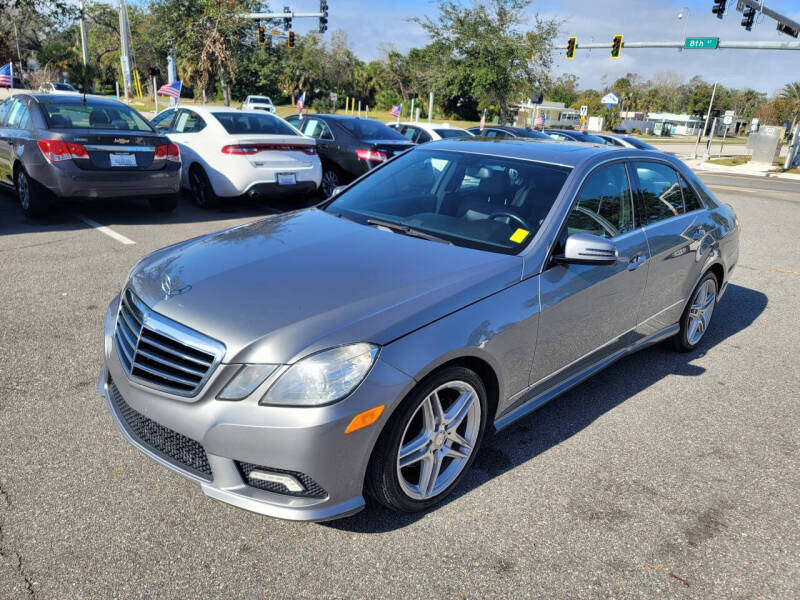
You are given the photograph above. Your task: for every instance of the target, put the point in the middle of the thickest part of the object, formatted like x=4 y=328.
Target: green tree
x=486 y=47
x=791 y=94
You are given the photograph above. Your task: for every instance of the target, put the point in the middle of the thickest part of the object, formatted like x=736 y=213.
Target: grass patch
x=733 y=161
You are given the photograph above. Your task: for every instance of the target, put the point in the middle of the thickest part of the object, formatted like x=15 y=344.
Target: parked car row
x=59 y=144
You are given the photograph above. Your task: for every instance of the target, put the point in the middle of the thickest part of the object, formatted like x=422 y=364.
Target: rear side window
x=253 y=123
x=19 y=115
x=188 y=122
x=661 y=191
x=604 y=207
x=316 y=128
x=690 y=197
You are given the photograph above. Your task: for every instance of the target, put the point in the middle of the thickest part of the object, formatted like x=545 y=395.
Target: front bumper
x=310 y=441
x=68 y=181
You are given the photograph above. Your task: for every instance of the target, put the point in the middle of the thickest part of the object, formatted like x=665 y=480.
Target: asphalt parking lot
x=667 y=475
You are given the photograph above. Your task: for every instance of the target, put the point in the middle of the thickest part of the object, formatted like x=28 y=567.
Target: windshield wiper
x=406 y=230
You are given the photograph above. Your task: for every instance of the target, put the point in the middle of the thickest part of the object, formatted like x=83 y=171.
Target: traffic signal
x=572 y=43
x=262 y=35
x=719 y=8
x=290 y=40
x=748 y=16
x=788 y=30
x=323 y=20
x=287 y=21
x=616 y=46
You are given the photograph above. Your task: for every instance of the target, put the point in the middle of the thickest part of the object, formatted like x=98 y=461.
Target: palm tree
x=791 y=92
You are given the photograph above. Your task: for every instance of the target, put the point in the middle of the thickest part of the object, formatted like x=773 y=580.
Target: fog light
x=288 y=481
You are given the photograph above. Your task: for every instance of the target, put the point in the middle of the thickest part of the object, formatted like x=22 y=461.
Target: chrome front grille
x=161 y=353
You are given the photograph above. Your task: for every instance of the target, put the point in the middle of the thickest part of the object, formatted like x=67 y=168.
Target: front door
x=589 y=312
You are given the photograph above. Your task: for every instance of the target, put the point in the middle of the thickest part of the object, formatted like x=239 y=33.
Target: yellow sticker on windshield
x=519 y=235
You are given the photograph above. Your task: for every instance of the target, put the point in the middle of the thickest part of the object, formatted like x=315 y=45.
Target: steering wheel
x=512 y=216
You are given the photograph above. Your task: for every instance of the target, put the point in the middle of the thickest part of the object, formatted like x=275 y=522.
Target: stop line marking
x=106 y=230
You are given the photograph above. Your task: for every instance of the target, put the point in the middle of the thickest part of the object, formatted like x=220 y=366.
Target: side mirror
x=587 y=249
x=337 y=190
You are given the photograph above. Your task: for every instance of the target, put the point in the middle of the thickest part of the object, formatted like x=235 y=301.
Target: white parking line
x=107 y=230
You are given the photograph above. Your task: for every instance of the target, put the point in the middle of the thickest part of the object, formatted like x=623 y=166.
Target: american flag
x=540 y=120
x=483 y=120
x=7 y=75
x=396 y=110
x=172 y=89
x=300 y=102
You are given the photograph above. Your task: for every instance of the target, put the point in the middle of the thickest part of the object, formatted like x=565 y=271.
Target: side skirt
x=537 y=400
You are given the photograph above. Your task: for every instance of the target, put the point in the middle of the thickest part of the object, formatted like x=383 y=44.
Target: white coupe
x=228 y=153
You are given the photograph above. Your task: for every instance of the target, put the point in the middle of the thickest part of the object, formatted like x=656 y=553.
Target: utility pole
x=124 y=48
x=19 y=54
x=705 y=123
x=84 y=44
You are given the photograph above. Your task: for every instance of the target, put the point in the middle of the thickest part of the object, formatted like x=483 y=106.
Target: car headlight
x=246 y=380
x=323 y=377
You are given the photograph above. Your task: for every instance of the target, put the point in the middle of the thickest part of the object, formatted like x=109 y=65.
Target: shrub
x=322 y=104
x=386 y=98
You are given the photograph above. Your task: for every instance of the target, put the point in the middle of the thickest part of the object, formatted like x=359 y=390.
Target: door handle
x=636 y=261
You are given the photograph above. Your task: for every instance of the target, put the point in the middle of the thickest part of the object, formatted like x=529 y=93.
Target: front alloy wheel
x=430 y=442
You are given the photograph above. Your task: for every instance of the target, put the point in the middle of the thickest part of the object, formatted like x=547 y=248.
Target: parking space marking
x=107 y=230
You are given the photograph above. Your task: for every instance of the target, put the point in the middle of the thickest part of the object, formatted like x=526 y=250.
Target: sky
x=371 y=26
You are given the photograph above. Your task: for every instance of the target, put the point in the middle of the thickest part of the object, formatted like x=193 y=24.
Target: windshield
x=485 y=202
x=237 y=123
x=452 y=133
x=367 y=129
x=64 y=87
x=261 y=99
x=76 y=115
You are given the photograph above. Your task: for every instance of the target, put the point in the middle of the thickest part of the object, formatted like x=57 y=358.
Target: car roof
x=428 y=126
x=76 y=99
x=569 y=154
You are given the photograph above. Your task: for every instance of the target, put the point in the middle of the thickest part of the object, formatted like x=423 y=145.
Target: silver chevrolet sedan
x=292 y=365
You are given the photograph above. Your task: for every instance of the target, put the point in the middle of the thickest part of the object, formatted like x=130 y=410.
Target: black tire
x=382 y=480
x=331 y=178
x=164 y=204
x=686 y=339
x=202 y=193
x=33 y=198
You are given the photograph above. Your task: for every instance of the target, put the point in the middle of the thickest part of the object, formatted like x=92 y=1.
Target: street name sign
x=701 y=43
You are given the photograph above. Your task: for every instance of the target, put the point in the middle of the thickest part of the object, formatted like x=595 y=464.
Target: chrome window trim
x=174 y=331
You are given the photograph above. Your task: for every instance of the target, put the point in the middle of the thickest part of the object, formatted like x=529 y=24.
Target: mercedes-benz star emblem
x=169 y=291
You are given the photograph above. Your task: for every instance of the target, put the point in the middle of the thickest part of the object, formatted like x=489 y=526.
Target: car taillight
x=371 y=155
x=168 y=152
x=249 y=149
x=59 y=150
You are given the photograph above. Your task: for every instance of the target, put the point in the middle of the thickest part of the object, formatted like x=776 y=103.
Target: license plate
x=122 y=160
x=286 y=178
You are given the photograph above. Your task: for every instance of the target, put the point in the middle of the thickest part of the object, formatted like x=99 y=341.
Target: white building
x=556 y=114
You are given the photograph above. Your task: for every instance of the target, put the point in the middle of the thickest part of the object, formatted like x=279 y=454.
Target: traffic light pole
x=281 y=15
x=680 y=45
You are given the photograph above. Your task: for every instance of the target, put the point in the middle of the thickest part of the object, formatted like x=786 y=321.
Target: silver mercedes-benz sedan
x=365 y=346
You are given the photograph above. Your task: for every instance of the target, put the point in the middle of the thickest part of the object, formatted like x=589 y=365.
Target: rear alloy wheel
x=697 y=316
x=202 y=193
x=31 y=196
x=430 y=442
x=330 y=181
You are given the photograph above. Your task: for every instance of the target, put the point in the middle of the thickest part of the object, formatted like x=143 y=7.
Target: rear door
x=678 y=234
x=17 y=134
x=328 y=147
x=589 y=312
